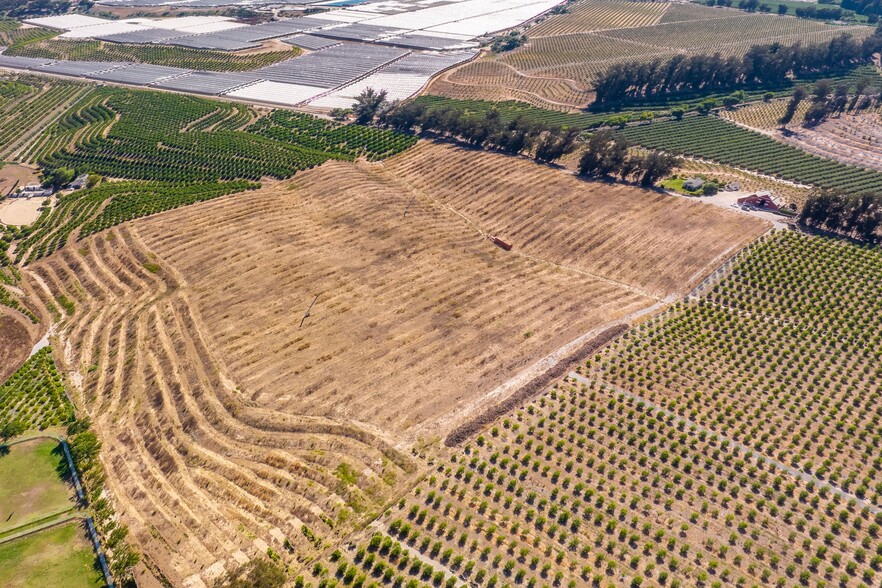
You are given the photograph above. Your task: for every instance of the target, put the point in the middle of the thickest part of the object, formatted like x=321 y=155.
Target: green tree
x=258 y=573
x=368 y=105
x=12 y=429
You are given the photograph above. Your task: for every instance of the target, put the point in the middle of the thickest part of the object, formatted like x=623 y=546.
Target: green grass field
x=31 y=484
x=60 y=556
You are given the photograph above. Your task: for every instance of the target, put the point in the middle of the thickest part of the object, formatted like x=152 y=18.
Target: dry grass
x=494 y=80
x=225 y=423
x=642 y=238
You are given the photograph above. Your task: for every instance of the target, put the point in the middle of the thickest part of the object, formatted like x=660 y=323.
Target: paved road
x=747 y=450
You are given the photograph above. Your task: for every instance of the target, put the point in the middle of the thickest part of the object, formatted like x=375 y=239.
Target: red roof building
x=763 y=200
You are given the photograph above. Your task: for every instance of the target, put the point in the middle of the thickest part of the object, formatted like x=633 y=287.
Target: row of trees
x=858 y=216
x=608 y=155
x=768 y=65
x=543 y=142
x=829 y=100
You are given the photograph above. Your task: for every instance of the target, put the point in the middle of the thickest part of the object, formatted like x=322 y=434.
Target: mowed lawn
x=32 y=483
x=58 y=557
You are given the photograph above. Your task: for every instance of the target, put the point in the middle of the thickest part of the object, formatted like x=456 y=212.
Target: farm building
x=79 y=183
x=762 y=199
x=33 y=191
x=693 y=184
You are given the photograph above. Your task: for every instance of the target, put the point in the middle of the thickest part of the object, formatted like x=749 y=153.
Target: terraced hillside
x=558 y=65
x=230 y=427
x=660 y=245
x=732 y=441
x=201 y=472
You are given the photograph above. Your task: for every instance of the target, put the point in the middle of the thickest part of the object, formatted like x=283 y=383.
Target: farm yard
x=666 y=462
x=419 y=349
x=150 y=326
x=570 y=49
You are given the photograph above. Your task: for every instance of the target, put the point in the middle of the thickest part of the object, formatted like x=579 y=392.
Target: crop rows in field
x=509 y=110
x=782 y=355
x=712 y=138
x=592 y=15
x=109 y=204
x=83 y=122
x=184 y=57
x=592 y=485
x=586 y=486
x=319 y=135
x=740 y=29
x=194 y=469
x=15 y=35
x=149 y=142
x=851 y=139
x=497 y=81
x=25 y=115
x=577 y=56
x=682 y=12
x=765 y=115
x=34 y=395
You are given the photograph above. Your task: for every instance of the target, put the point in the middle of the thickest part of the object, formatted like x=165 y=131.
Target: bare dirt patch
x=11 y=173
x=20 y=211
x=15 y=343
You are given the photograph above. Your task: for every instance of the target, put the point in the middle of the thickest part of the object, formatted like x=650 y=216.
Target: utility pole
x=408 y=205
x=307 y=310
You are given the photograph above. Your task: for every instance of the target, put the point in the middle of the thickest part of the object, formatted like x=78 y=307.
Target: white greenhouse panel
x=277 y=93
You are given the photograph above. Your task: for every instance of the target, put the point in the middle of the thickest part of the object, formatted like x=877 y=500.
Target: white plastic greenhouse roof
x=66 y=21
x=277 y=93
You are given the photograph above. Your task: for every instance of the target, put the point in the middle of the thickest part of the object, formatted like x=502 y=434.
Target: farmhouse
x=693 y=184
x=763 y=199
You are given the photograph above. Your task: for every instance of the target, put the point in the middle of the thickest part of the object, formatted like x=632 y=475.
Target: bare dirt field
x=228 y=426
x=12 y=173
x=20 y=211
x=15 y=341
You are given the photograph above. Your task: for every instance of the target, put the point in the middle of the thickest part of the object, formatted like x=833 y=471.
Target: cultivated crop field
x=854 y=139
x=591 y=15
x=765 y=115
x=28 y=104
x=200 y=59
x=724 y=142
x=728 y=442
x=572 y=48
x=229 y=427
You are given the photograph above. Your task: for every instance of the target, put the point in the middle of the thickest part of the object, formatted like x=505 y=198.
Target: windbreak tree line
x=544 y=142
x=858 y=216
x=828 y=99
x=767 y=65
x=609 y=155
